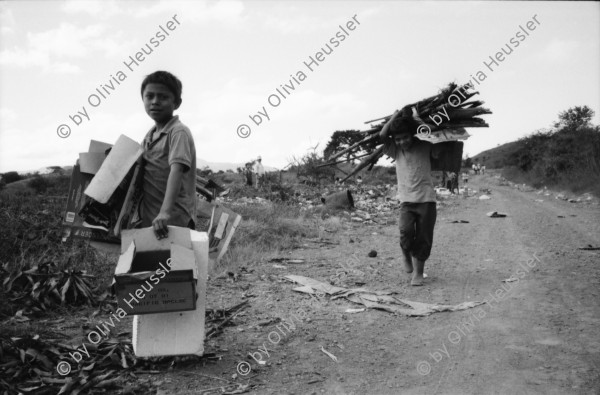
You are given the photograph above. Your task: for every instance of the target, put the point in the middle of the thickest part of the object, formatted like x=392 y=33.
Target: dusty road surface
x=538 y=335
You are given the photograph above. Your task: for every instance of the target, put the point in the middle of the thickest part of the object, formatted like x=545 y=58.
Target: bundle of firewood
x=440 y=118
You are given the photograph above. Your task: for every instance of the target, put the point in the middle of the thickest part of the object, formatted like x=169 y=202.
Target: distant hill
x=498 y=157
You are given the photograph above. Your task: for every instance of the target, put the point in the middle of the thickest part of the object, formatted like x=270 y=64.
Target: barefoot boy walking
x=169 y=159
x=415 y=191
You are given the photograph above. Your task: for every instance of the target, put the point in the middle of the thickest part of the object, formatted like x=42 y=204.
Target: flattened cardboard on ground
x=179 y=333
x=155 y=279
x=114 y=169
x=381 y=300
x=223 y=223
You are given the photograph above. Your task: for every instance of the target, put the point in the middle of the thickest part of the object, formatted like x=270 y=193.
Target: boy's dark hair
x=404 y=124
x=167 y=79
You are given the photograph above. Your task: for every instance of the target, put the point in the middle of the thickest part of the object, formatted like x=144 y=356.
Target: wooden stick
x=373 y=157
x=343 y=160
x=365 y=140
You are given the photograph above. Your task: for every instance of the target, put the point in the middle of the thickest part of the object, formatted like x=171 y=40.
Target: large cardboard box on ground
x=222 y=223
x=174 y=333
x=121 y=171
x=155 y=280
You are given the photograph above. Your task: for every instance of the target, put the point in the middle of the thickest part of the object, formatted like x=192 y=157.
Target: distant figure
x=455 y=182
x=483 y=169
x=248 y=170
x=259 y=172
x=449 y=185
x=465 y=177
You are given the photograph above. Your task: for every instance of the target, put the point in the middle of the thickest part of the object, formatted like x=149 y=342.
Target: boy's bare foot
x=408 y=263
x=417 y=280
x=408 y=266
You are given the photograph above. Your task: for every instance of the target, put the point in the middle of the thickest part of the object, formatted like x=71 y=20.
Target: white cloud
x=97 y=9
x=7 y=20
x=228 y=12
x=559 y=50
x=52 y=48
x=30 y=57
x=7 y=116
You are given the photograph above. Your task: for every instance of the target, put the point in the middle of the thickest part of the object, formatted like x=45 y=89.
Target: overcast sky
x=232 y=56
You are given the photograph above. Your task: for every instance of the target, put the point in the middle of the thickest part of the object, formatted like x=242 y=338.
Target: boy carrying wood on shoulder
x=415 y=190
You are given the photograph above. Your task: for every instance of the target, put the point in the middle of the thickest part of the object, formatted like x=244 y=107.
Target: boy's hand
x=164 y=216
x=160 y=225
x=385 y=131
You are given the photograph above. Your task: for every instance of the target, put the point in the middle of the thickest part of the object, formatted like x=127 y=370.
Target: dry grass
x=267 y=229
x=31 y=235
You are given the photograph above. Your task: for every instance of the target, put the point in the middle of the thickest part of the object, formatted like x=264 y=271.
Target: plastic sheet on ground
x=381 y=300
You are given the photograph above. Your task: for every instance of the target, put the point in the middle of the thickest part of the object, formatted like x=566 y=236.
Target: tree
x=468 y=162
x=340 y=140
x=11 y=176
x=311 y=166
x=574 y=118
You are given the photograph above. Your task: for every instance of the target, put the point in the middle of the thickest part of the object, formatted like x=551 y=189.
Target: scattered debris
x=381 y=300
x=352 y=311
x=484 y=197
x=459 y=221
x=233 y=388
x=33 y=365
x=510 y=280
x=372 y=254
x=217 y=319
x=339 y=200
x=42 y=286
x=589 y=247
x=330 y=355
x=495 y=214
x=286 y=260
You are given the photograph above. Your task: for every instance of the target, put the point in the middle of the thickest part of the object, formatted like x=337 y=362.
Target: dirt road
x=535 y=335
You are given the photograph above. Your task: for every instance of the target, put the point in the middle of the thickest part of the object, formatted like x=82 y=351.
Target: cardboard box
x=155 y=280
x=222 y=225
x=114 y=169
x=174 y=333
x=104 y=162
x=73 y=223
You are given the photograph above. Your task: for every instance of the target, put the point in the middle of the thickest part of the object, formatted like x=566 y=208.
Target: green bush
x=11 y=176
x=38 y=183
